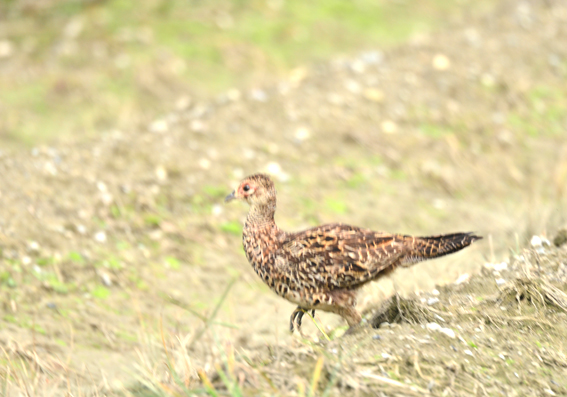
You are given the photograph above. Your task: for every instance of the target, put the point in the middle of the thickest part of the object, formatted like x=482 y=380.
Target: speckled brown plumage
x=321 y=268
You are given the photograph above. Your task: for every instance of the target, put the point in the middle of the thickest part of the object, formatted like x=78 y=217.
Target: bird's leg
x=297 y=316
x=352 y=317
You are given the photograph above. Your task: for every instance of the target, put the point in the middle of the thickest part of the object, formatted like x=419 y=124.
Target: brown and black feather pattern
x=320 y=268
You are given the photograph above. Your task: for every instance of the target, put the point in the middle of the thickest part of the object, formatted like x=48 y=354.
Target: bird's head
x=257 y=189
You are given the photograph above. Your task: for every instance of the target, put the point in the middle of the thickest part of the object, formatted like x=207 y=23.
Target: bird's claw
x=297 y=316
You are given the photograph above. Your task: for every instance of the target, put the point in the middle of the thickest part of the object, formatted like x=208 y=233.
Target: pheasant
x=321 y=268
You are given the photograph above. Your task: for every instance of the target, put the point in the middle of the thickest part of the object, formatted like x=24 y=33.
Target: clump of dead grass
x=402 y=310
x=537 y=292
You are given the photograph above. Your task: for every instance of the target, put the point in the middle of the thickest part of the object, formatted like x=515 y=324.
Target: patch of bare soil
x=119 y=262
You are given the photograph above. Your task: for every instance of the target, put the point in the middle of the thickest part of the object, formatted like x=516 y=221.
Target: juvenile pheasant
x=321 y=268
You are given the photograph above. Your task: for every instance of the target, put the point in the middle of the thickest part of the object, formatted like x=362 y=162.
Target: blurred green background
x=75 y=68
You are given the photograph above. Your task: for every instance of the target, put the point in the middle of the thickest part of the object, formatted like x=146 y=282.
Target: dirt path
x=110 y=244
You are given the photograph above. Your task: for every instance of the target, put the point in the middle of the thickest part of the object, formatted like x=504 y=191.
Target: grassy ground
x=122 y=270
x=79 y=68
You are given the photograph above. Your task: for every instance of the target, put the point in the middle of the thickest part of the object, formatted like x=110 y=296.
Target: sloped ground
x=111 y=246
x=500 y=333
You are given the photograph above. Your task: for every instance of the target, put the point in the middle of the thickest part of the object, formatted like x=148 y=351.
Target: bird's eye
x=246 y=187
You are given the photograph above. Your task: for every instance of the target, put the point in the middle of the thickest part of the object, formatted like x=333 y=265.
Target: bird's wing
x=340 y=256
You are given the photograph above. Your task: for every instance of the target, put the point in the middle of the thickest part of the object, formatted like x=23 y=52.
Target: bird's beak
x=230 y=197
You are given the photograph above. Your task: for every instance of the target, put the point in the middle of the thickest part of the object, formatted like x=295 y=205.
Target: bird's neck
x=261 y=216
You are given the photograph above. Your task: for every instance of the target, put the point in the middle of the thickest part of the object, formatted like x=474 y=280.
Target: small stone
x=376 y=337
x=101 y=186
x=6 y=49
x=500 y=266
x=259 y=95
x=389 y=127
x=336 y=99
x=238 y=173
x=462 y=278
x=448 y=332
x=385 y=324
x=297 y=75
x=217 y=209
x=487 y=80
x=33 y=246
x=468 y=352
x=433 y=326
x=159 y=126
x=105 y=278
x=26 y=260
x=233 y=95
x=81 y=229
x=432 y=301
x=106 y=198
x=353 y=86
x=205 y=164
x=358 y=66
x=372 y=57
x=500 y=281
x=302 y=134
x=435 y=292
x=100 y=237
x=198 y=126
x=276 y=170
x=373 y=94
x=161 y=173
x=183 y=102
x=441 y=62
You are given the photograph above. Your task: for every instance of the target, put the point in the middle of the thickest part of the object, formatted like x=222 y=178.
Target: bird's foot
x=296 y=317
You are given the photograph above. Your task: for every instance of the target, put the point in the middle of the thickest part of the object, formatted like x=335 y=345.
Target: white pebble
x=159 y=126
x=101 y=186
x=462 y=278
x=500 y=281
x=105 y=278
x=500 y=266
x=6 y=48
x=468 y=352
x=389 y=127
x=26 y=260
x=449 y=332
x=216 y=210
x=433 y=326
x=198 y=126
x=436 y=327
x=435 y=292
x=276 y=170
x=106 y=198
x=238 y=173
x=302 y=134
x=233 y=94
x=161 y=173
x=33 y=246
x=536 y=242
x=205 y=164
x=100 y=237
x=432 y=301
x=441 y=62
